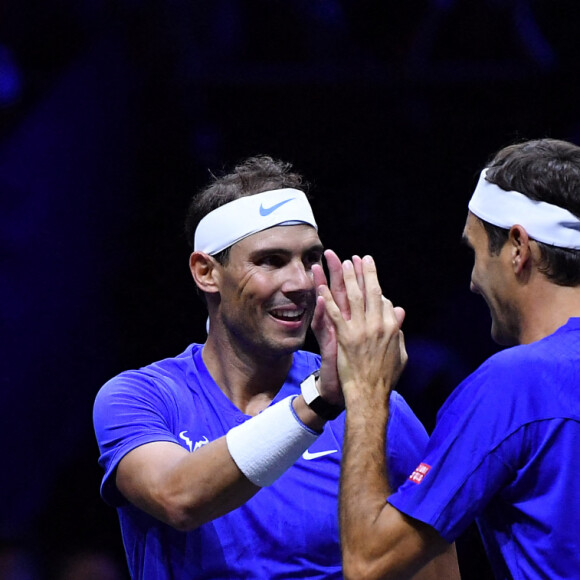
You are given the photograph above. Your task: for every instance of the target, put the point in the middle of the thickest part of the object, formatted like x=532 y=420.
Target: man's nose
x=300 y=278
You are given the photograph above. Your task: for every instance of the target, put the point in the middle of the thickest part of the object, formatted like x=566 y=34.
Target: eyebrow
x=285 y=251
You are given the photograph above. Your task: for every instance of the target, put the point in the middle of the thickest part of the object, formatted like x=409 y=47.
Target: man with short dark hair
x=223 y=462
x=504 y=448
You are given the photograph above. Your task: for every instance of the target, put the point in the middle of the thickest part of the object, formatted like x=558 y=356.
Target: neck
x=250 y=380
x=548 y=307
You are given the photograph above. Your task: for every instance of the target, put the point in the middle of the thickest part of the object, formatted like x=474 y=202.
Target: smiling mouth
x=288 y=315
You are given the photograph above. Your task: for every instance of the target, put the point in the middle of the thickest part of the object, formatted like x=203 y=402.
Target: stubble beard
x=506 y=332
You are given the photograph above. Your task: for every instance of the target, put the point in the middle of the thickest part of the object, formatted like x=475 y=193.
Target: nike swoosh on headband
x=247 y=215
x=268 y=210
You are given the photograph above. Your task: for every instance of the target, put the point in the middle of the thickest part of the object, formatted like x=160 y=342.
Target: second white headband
x=248 y=215
x=543 y=221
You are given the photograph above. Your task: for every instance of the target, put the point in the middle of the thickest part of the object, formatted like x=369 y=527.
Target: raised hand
x=324 y=329
x=371 y=351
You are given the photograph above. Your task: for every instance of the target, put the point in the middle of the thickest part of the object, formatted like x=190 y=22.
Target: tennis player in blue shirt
x=505 y=446
x=223 y=462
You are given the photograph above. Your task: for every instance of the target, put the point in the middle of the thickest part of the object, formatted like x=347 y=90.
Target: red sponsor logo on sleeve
x=420 y=472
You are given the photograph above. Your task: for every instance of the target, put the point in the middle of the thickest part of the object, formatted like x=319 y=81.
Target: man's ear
x=205 y=273
x=521 y=251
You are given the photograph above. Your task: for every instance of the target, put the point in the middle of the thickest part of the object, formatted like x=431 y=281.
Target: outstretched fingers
x=354 y=288
x=318 y=275
x=357 y=262
x=372 y=289
x=356 y=298
x=319 y=279
x=399 y=315
x=337 y=286
x=332 y=310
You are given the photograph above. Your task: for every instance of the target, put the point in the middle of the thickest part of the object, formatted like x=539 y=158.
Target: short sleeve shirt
x=504 y=452
x=287 y=530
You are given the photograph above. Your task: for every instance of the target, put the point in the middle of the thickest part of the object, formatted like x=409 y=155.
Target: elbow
x=358 y=567
x=184 y=518
x=359 y=573
x=173 y=511
x=366 y=565
x=352 y=570
x=181 y=521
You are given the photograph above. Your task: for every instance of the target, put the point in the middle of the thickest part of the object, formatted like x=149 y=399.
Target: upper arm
x=399 y=548
x=443 y=565
x=129 y=413
x=141 y=473
x=423 y=545
x=180 y=488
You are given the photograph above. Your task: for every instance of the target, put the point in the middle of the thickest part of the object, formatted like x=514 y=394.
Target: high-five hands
x=324 y=330
x=371 y=351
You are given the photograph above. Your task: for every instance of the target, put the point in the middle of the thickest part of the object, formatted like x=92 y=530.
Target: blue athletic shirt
x=504 y=451
x=287 y=530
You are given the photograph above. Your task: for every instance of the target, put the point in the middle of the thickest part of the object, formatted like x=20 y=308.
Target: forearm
x=186 y=490
x=364 y=483
x=378 y=541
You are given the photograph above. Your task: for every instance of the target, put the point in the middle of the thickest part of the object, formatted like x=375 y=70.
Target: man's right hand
x=371 y=351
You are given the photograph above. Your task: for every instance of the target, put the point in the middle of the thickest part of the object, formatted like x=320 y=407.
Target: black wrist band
x=313 y=399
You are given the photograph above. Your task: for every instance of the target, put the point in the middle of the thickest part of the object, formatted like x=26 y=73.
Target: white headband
x=543 y=221
x=238 y=219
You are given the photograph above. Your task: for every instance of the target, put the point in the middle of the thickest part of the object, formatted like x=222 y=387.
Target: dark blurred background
x=112 y=115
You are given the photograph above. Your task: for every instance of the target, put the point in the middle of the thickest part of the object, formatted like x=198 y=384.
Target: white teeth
x=288 y=314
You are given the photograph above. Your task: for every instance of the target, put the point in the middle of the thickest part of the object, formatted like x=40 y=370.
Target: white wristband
x=266 y=445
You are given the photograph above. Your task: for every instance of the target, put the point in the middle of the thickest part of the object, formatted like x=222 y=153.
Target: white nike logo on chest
x=307 y=455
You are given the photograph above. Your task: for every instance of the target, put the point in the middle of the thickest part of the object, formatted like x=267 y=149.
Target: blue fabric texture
x=288 y=530
x=504 y=453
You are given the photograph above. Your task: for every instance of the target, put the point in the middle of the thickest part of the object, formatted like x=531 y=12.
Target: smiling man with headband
x=224 y=461
x=505 y=446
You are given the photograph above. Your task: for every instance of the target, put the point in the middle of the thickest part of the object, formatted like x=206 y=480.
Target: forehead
x=294 y=239
x=474 y=231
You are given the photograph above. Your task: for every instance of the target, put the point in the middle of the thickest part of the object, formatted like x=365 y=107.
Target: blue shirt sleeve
x=406 y=440
x=129 y=411
x=474 y=451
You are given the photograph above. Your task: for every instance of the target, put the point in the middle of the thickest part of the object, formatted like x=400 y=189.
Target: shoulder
x=559 y=347
x=403 y=422
x=530 y=364
x=505 y=371
x=156 y=381
x=514 y=387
